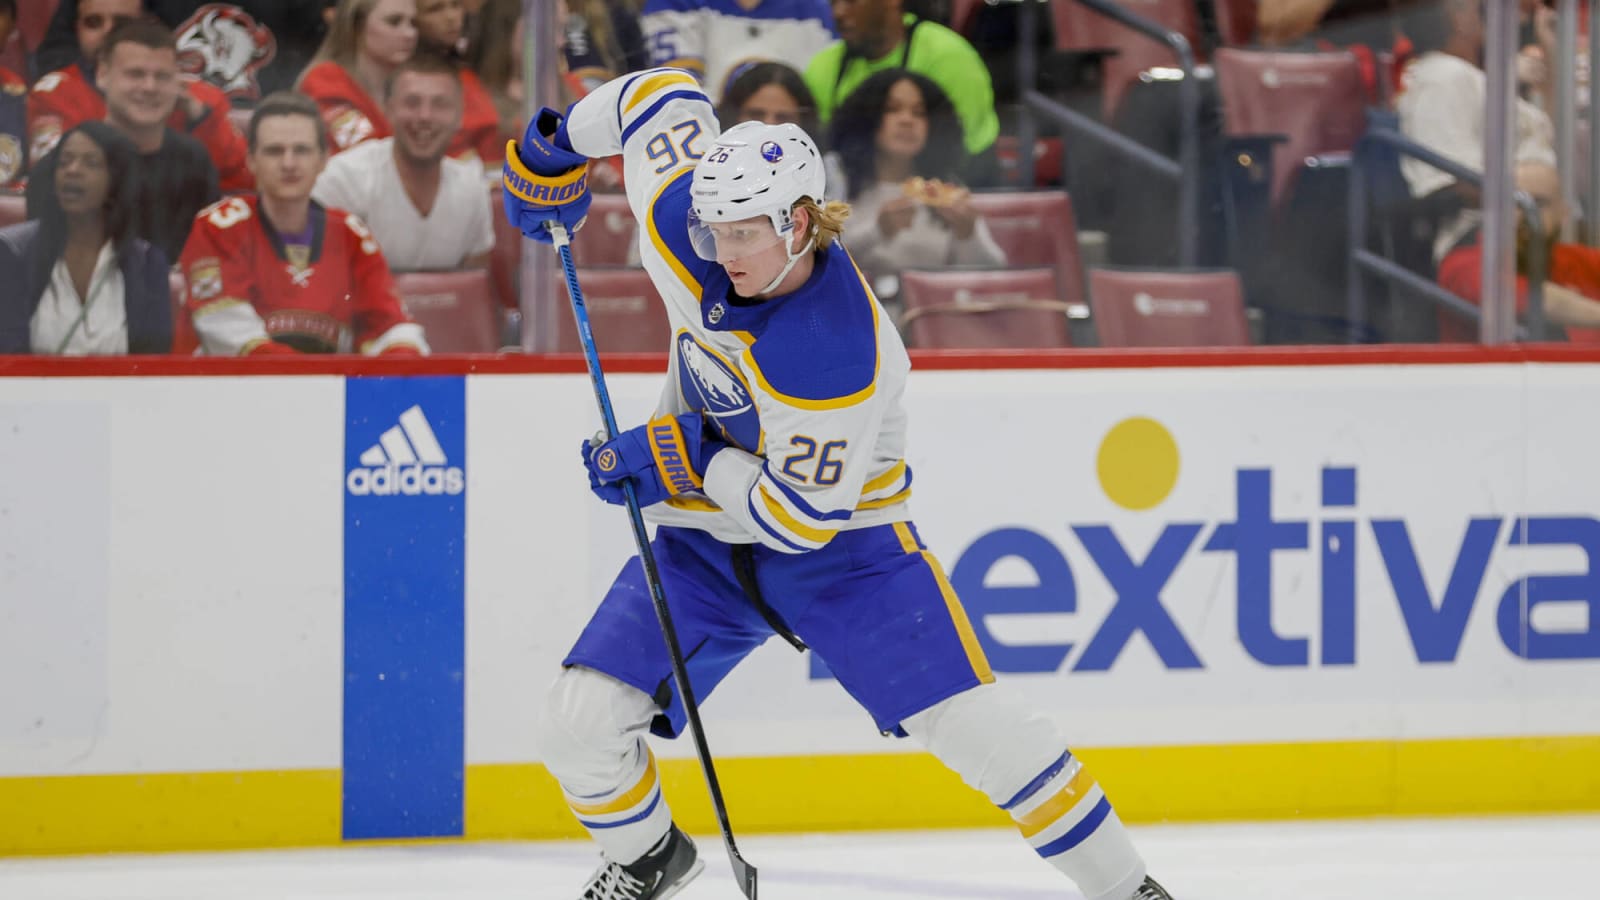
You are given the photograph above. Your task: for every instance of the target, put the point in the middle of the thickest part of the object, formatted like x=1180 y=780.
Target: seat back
x=607 y=238
x=1146 y=308
x=626 y=313
x=13 y=209
x=1316 y=101
x=993 y=309
x=1036 y=228
x=505 y=261
x=457 y=310
x=1236 y=21
x=1080 y=28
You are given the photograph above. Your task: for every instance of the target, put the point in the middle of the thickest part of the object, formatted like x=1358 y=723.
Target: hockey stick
x=743 y=872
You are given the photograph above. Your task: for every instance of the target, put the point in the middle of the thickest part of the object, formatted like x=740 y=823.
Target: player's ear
x=802 y=227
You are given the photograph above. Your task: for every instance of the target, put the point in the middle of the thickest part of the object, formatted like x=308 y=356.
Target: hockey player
x=775 y=468
x=275 y=272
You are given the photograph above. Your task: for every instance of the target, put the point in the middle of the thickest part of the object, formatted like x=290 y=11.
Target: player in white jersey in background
x=775 y=467
x=714 y=39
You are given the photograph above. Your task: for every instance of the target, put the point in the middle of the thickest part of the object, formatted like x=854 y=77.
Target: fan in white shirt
x=426 y=210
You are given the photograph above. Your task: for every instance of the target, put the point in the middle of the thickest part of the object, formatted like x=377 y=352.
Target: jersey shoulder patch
x=820 y=348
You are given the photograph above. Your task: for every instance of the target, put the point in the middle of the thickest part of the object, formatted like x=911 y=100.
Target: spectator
x=245 y=48
x=369 y=38
x=712 y=38
x=79 y=282
x=276 y=272
x=876 y=35
x=769 y=92
x=173 y=176
x=75 y=94
x=426 y=210
x=1572 y=271
x=899 y=142
x=494 y=52
x=1441 y=105
x=602 y=40
x=13 y=107
x=439 y=31
x=1536 y=51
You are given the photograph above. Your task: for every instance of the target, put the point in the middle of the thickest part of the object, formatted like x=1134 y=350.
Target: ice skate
x=659 y=874
x=1150 y=891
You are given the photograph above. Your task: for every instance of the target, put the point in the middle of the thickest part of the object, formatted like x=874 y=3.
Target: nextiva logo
x=1138 y=464
x=407 y=460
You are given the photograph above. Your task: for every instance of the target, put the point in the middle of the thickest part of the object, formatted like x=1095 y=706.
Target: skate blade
x=693 y=873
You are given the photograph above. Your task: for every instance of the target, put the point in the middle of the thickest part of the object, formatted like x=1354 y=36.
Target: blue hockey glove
x=665 y=457
x=545 y=181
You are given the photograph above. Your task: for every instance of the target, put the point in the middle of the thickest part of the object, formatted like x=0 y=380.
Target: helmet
x=752 y=170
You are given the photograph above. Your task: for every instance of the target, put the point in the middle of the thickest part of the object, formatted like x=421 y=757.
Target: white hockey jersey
x=808 y=387
x=716 y=38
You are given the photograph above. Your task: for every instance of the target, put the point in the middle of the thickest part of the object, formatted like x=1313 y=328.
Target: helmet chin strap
x=794 y=258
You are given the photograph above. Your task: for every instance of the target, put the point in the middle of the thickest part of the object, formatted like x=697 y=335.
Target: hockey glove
x=545 y=181
x=665 y=457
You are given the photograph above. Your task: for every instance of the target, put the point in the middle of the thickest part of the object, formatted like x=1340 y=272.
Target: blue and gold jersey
x=808 y=386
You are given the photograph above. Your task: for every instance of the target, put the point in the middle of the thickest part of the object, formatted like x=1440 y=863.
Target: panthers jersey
x=807 y=387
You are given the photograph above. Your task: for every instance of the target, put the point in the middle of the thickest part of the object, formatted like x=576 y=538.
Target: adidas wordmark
x=406 y=461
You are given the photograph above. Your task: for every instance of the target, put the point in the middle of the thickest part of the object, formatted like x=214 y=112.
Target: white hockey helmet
x=752 y=170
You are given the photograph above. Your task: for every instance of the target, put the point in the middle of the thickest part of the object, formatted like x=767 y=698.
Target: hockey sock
x=630 y=820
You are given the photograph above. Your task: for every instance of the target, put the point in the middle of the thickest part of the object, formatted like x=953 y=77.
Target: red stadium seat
x=607 y=238
x=13 y=209
x=457 y=310
x=1036 y=228
x=962 y=13
x=625 y=312
x=1080 y=28
x=1049 y=157
x=991 y=310
x=33 y=20
x=1316 y=101
x=505 y=261
x=1168 y=309
x=1236 y=20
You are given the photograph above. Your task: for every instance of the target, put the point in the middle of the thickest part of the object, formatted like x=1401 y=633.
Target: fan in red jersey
x=274 y=272
x=368 y=39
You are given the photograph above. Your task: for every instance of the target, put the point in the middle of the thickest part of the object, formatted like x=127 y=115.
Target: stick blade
x=744 y=873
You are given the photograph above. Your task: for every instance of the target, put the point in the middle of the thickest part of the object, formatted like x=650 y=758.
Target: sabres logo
x=715 y=314
x=607 y=460
x=771 y=152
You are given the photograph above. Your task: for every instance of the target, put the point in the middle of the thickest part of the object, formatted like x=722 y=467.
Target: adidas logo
x=406 y=461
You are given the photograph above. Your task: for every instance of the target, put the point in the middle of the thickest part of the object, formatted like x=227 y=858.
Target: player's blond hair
x=826 y=221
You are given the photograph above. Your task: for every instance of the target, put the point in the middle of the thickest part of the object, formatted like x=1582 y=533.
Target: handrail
x=1363 y=260
x=1186 y=169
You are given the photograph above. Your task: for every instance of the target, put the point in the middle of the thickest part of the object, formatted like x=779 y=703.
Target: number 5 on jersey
x=827 y=469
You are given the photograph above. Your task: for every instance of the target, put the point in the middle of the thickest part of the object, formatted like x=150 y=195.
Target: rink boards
x=321 y=604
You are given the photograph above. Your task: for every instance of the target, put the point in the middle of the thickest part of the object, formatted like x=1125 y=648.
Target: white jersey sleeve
x=660 y=120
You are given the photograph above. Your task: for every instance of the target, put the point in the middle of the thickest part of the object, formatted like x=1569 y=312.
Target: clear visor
x=725 y=241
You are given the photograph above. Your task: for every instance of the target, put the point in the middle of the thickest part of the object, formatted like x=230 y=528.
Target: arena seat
x=1236 y=21
x=505 y=261
x=983 y=309
x=13 y=209
x=1315 y=101
x=1036 y=228
x=607 y=238
x=1079 y=28
x=1150 y=308
x=625 y=312
x=457 y=309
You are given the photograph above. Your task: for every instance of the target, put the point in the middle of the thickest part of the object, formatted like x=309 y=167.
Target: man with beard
x=276 y=272
x=173 y=176
x=427 y=211
x=245 y=47
x=72 y=94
